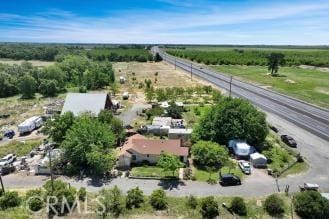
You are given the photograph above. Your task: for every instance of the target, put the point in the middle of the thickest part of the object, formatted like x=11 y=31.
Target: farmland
x=120 y=54
x=251 y=56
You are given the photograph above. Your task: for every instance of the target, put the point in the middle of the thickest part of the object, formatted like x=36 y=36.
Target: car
x=274 y=129
x=9 y=134
x=6 y=169
x=245 y=166
x=229 y=179
x=8 y=159
x=289 y=140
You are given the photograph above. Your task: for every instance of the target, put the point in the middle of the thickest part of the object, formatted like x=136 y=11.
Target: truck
x=30 y=124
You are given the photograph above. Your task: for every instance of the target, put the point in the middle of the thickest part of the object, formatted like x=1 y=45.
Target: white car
x=8 y=159
x=245 y=166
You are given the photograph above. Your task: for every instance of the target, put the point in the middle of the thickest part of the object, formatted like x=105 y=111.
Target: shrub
x=9 y=200
x=274 y=205
x=311 y=204
x=35 y=199
x=209 y=208
x=191 y=202
x=111 y=202
x=134 y=198
x=82 y=193
x=238 y=206
x=158 y=199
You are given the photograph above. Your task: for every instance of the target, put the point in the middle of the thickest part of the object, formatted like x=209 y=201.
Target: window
x=147 y=155
x=134 y=157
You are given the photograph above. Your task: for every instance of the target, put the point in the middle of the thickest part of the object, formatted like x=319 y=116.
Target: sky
x=277 y=22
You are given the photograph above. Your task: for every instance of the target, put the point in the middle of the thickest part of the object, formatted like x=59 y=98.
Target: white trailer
x=30 y=124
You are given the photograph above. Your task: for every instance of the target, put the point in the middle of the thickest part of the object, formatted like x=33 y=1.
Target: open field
x=35 y=63
x=306 y=84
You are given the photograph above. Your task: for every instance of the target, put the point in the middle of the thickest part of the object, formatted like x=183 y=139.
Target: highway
x=302 y=114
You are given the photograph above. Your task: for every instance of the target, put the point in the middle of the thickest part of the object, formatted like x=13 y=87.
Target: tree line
x=253 y=56
x=72 y=71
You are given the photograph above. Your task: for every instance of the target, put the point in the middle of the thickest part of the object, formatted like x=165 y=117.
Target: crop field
x=252 y=56
x=310 y=85
x=120 y=54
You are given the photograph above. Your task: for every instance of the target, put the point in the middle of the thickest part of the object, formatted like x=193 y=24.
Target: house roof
x=79 y=103
x=138 y=143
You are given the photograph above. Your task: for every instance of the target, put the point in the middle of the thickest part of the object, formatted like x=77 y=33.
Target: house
x=240 y=148
x=139 y=149
x=183 y=134
x=78 y=103
x=258 y=160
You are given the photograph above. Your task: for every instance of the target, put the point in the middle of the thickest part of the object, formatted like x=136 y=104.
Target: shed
x=183 y=134
x=78 y=103
x=258 y=160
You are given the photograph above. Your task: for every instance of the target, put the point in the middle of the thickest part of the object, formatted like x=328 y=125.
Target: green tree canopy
x=209 y=208
x=231 y=119
x=274 y=60
x=169 y=162
x=27 y=87
x=48 y=88
x=174 y=111
x=134 y=198
x=7 y=85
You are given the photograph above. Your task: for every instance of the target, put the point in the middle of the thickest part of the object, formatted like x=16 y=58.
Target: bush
x=209 y=208
x=134 y=198
x=311 y=204
x=238 y=206
x=35 y=199
x=191 y=202
x=158 y=199
x=112 y=201
x=9 y=200
x=82 y=193
x=274 y=205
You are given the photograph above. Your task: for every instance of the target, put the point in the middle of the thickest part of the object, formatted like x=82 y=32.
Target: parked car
x=309 y=187
x=9 y=134
x=275 y=129
x=289 y=140
x=229 y=180
x=8 y=159
x=245 y=166
x=6 y=169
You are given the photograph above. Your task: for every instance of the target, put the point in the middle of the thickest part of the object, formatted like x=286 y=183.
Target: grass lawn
x=151 y=171
x=203 y=175
x=18 y=148
x=309 y=85
x=296 y=169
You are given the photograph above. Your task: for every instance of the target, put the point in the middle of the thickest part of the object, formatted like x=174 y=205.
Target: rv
x=30 y=124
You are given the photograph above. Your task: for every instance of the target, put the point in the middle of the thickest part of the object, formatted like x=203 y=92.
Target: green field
x=151 y=171
x=309 y=85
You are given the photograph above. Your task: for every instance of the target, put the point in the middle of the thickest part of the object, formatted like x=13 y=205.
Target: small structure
x=166 y=104
x=183 y=134
x=139 y=149
x=240 y=148
x=122 y=80
x=156 y=129
x=125 y=95
x=309 y=187
x=258 y=160
x=30 y=124
x=42 y=168
x=162 y=121
x=78 y=103
x=115 y=105
x=177 y=124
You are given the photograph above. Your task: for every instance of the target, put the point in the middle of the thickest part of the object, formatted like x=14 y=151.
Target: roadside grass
x=203 y=175
x=309 y=85
x=297 y=168
x=152 y=171
x=18 y=148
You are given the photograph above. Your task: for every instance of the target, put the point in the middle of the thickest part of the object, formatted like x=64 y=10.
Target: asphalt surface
x=306 y=116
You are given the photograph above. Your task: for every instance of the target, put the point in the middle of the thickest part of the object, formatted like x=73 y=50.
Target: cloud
x=279 y=24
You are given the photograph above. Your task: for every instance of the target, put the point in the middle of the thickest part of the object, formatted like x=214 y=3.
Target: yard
x=203 y=175
x=18 y=148
x=152 y=171
x=311 y=85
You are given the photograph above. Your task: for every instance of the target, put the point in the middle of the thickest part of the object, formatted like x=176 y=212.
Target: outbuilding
x=258 y=160
x=183 y=134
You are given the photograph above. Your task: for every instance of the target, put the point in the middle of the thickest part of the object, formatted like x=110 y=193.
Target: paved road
x=306 y=116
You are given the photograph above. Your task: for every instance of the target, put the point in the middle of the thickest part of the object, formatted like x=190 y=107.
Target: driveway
x=129 y=115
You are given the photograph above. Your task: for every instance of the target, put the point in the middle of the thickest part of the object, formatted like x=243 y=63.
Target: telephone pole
x=231 y=85
x=2 y=187
x=191 y=71
x=175 y=63
x=51 y=172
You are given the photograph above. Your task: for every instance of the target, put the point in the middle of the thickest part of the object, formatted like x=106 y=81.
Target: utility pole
x=175 y=63
x=2 y=187
x=231 y=85
x=51 y=172
x=191 y=71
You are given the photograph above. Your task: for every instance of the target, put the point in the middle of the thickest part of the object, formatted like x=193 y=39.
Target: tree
x=57 y=128
x=311 y=204
x=191 y=202
x=274 y=60
x=134 y=198
x=169 y=162
x=82 y=194
x=112 y=201
x=232 y=119
x=105 y=116
x=210 y=155
x=118 y=129
x=238 y=206
x=89 y=145
x=27 y=87
x=174 y=111
x=157 y=57
x=149 y=94
x=209 y=208
x=274 y=205
x=7 y=85
x=158 y=199
x=63 y=192
x=48 y=88
x=35 y=199
x=9 y=200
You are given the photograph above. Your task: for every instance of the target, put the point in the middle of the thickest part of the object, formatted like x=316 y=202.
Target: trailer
x=30 y=124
